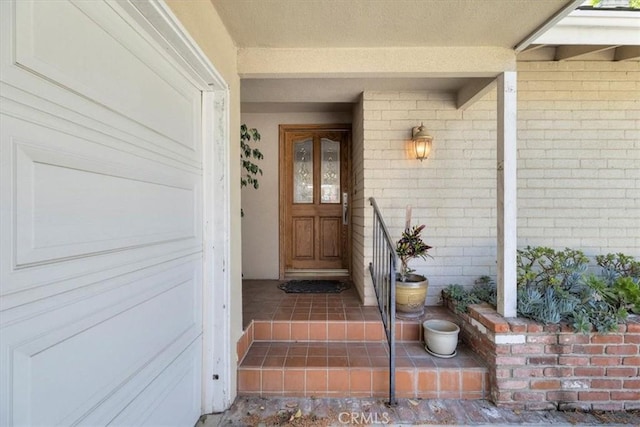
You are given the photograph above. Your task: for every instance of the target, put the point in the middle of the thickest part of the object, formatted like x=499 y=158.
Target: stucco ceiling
x=383 y=23
x=277 y=25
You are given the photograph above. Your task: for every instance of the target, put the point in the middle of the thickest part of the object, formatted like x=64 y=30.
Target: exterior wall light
x=421 y=142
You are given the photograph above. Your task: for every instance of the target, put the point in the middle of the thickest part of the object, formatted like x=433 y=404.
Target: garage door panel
x=75 y=197
x=27 y=289
x=112 y=208
x=101 y=222
x=157 y=404
x=150 y=327
x=98 y=67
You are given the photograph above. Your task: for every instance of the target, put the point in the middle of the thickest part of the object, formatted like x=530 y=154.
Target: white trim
x=550 y=23
x=595 y=27
x=217 y=256
x=155 y=17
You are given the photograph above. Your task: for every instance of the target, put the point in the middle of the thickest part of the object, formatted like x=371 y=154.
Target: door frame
x=282 y=208
x=218 y=367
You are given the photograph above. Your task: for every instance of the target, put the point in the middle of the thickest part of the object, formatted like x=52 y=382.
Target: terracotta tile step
x=358 y=369
x=274 y=330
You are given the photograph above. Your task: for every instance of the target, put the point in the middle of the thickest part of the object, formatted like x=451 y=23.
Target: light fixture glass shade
x=422 y=148
x=421 y=142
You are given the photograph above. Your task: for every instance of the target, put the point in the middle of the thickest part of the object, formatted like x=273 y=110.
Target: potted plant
x=411 y=289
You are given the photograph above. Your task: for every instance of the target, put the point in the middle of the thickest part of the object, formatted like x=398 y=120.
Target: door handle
x=345 y=208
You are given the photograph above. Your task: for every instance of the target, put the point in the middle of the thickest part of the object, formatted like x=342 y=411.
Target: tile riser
x=468 y=384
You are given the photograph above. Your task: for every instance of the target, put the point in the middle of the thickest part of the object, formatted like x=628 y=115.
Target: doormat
x=313 y=287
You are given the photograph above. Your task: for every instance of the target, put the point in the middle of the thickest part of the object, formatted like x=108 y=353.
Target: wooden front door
x=314 y=199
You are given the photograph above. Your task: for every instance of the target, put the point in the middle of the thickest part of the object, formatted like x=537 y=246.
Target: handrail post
x=383 y=276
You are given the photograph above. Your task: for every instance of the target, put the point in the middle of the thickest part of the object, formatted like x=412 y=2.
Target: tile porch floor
x=331 y=345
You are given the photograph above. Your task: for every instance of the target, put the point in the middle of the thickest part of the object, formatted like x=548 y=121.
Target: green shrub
x=620 y=278
x=484 y=290
x=554 y=286
x=619 y=264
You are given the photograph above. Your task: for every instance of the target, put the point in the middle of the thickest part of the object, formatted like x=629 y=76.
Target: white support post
x=507 y=193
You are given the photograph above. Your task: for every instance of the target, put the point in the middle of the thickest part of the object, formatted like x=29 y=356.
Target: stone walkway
x=310 y=412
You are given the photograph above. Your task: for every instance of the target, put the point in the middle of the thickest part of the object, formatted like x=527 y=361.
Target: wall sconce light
x=421 y=142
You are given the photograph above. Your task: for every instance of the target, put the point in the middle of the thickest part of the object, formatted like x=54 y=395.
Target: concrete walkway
x=310 y=412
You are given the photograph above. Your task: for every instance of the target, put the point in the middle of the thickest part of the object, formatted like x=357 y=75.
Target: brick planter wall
x=535 y=367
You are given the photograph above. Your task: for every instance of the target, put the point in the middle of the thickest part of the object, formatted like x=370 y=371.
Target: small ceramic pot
x=441 y=336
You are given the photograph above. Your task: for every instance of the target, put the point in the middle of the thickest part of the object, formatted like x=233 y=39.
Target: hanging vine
x=249 y=154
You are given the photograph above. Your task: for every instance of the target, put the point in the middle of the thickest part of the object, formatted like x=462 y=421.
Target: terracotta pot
x=410 y=296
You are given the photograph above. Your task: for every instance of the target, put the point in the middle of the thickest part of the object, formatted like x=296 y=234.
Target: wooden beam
x=624 y=53
x=565 y=52
x=471 y=92
x=507 y=194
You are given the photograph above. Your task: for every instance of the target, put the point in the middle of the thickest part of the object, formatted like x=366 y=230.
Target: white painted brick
x=458 y=124
x=628 y=163
x=413 y=95
x=395 y=115
x=598 y=66
x=443 y=114
x=473 y=114
x=574 y=385
x=484 y=124
x=528 y=134
x=371 y=95
x=372 y=115
x=633 y=134
x=376 y=144
x=422 y=115
x=369 y=135
x=407 y=125
x=403 y=133
x=578 y=149
x=402 y=105
x=376 y=105
x=434 y=105
x=508 y=339
x=376 y=125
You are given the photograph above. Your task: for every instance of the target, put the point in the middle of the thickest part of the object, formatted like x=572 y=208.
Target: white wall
x=360 y=209
x=452 y=192
x=579 y=155
x=260 y=257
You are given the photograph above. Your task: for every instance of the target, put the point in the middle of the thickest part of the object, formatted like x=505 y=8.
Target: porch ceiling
x=319 y=52
x=383 y=23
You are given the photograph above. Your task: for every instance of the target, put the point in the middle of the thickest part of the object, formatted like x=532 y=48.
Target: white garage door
x=101 y=222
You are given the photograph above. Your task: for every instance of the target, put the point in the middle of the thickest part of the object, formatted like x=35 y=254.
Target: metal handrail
x=383 y=275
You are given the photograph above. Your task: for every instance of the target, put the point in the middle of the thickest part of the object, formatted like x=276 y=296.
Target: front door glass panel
x=330 y=171
x=303 y=171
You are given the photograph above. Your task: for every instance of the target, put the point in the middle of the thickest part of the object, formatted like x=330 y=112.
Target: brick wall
x=452 y=192
x=578 y=177
x=360 y=210
x=535 y=367
x=579 y=155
